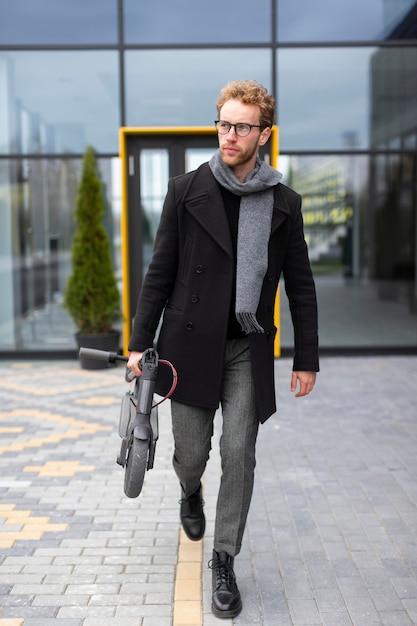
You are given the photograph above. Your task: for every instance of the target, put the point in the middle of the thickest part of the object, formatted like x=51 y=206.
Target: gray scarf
x=255 y=215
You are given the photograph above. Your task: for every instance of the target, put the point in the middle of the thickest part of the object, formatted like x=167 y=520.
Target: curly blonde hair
x=249 y=92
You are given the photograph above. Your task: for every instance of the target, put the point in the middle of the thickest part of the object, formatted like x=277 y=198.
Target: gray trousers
x=193 y=431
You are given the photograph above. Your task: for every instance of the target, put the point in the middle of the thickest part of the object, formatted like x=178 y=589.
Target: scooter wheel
x=136 y=465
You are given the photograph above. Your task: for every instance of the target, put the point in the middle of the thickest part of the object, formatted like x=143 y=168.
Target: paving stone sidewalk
x=332 y=532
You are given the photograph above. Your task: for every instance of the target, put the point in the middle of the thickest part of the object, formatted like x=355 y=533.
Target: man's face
x=240 y=153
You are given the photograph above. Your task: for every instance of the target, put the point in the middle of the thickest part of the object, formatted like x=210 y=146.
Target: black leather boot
x=226 y=601
x=192 y=515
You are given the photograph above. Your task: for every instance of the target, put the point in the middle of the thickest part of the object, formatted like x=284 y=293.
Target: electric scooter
x=138 y=421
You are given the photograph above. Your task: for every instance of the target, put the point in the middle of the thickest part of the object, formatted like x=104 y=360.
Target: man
x=227 y=232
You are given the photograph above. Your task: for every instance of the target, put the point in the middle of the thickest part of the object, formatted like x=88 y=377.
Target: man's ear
x=264 y=136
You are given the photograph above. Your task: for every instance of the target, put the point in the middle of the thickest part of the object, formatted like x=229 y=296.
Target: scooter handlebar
x=101 y=355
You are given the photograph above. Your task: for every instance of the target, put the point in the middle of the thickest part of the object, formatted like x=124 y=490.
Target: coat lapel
x=281 y=209
x=203 y=200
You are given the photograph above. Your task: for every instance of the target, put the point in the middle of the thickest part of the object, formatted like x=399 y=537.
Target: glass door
x=148 y=162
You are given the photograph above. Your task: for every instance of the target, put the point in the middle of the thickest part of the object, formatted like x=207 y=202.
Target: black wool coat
x=190 y=283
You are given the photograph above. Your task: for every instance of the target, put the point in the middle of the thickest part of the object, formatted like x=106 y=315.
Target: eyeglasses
x=241 y=129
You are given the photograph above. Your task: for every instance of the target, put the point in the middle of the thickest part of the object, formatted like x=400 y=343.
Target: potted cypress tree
x=91 y=294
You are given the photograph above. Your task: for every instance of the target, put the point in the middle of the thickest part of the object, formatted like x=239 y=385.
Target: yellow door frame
x=159 y=131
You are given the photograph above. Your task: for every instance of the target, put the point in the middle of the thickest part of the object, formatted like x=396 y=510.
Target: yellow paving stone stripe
x=19 y=514
x=21 y=366
x=46 y=382
x=37 y=443
x=59 y=468
x=46 y=416
x=12 y=429
x=58 y=388
x=32 y=527
x=98 y=401
x=188 y=609
x=30 y=521
x=11 y=621
x=56 y=418
x=76 y=428
x=6 y=507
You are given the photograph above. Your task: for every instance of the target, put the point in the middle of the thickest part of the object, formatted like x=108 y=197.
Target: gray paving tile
x=332 y=532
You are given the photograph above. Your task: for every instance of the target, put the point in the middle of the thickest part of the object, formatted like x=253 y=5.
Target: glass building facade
x=345 y=79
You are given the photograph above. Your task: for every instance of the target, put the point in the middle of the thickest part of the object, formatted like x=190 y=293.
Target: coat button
x=189 y=326
x=194 y=298
x=199 y=269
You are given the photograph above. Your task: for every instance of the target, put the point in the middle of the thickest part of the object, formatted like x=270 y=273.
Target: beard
x=240 y=157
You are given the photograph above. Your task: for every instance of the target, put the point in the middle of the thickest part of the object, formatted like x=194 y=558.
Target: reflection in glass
x=345 y=20
x=39 y=198
x=189 y=100
x=58 y=21
x=154 y=168
x=194 y=157
x=362 y=247
x=58 y=103
x=344 y=98
x=393 y=94
x=217 y=21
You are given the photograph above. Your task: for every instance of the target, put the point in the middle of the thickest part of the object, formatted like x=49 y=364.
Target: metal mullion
x=122 y=82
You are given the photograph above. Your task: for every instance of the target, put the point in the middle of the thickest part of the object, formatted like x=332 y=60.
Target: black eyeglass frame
x=235 y=127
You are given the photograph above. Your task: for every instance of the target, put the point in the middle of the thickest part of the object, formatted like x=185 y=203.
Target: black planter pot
x=109 y=342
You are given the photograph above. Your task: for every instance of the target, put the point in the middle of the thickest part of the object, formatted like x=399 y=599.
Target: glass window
x=343 y=98
x=154 y=175
x=38 y=199
x=393 y=97
x=58 y=22
x=345 y=20
x=169 y=87
x=184 y=21
x=194 y=157
x=58 y=101
x=362 y=247
x=154 y=165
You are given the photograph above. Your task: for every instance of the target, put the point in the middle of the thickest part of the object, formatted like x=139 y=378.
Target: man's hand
x=133 y=362
x=306 y=382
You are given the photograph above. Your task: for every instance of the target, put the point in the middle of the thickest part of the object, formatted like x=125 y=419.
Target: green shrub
x=91 y=295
